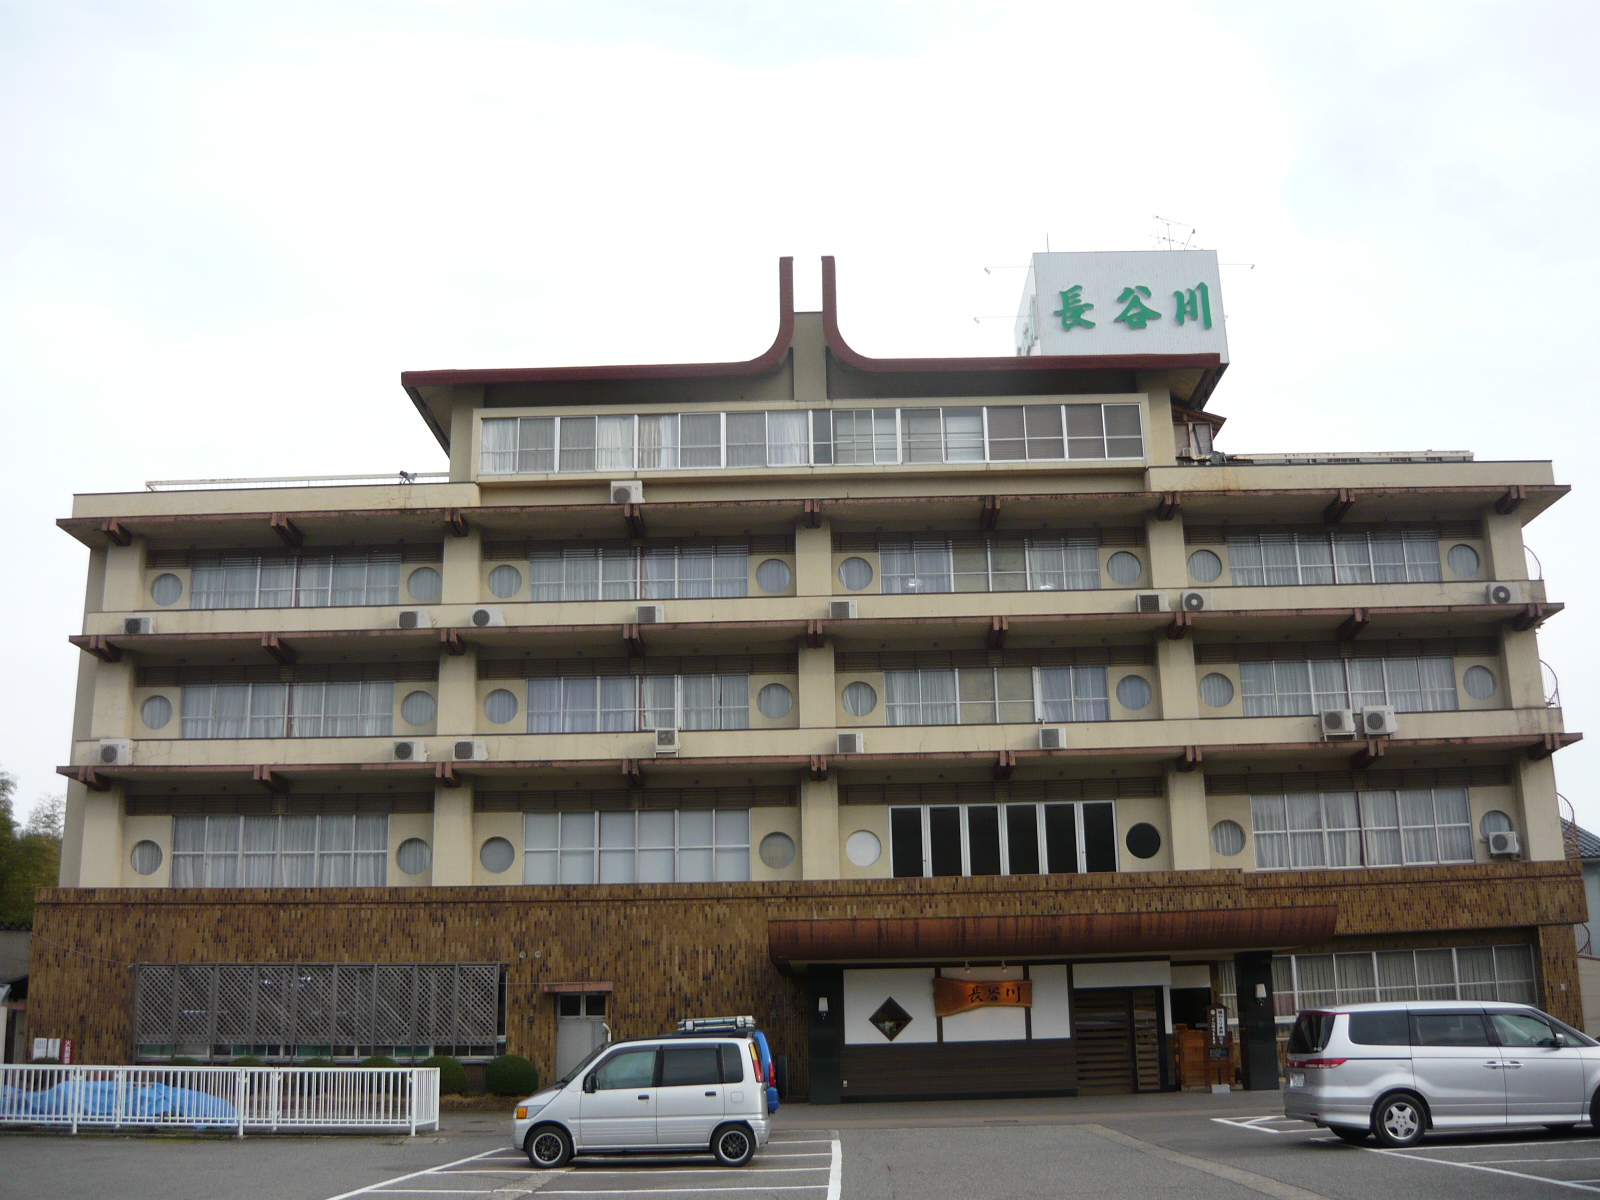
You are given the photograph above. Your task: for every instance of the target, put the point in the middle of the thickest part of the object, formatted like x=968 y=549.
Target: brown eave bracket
x=445 y=773
x=113 y=529
x=269 y=779
x=1370 y=752
x=1550 y=743
x=97 y=645
x=1514 y=496
x=633 y=516
x=1193 y=756
x=1352 y=625
x=451 y=641
x=819 y=767
x=457 y=521
x=1338 y=506
x=998 y=628
x=1005 y=764
x=288 y=532
x=814 y=635
x=811 y=514
x=989 y=517
x=89 y=777
x=278 y=649
x=1182 y=622
x=1171 y=502
x=632 y=772
x=1531 y=617
x=632 y=640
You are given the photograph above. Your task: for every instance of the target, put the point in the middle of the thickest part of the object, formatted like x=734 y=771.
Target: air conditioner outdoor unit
x=115 y=752
x=851 y=743
x=1194 y=601
x=138 y=624
x=411 y=752
x=1052 y=737
x=415 y=618
x=465 y=751
x=1378 y=719
x=841 y=610
x=1503 y=593
x=652 y=614
x=627 y=491
x=1504 y=845
x=667 y=743
x=1150 y=602
x=1337 y=723
x=488 y=617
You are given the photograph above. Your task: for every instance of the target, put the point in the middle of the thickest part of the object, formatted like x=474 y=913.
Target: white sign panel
x=1123 y=302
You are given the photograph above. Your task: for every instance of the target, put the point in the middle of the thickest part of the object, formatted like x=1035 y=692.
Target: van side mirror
x=589 y=1082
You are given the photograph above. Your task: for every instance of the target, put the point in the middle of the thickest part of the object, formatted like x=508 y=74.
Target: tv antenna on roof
x=1170 y=238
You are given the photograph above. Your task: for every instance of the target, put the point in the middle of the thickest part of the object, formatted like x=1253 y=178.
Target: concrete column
x=1258 y=1029
x=819 y=829
x=813 y=562
x=123 y=590
x=72 y=834
x=1524 y=675
x=1187 y=818
x=825 y=1026
x=101 y=861
x=1169 y=559
x=463 y=561
x=1175 y=669
x=112 y=714
x=1159 y=448
x=464 y=400
x=818 y=708
x=1541 y=813
x=809 y=358
x=458 y=694
x=1502 y=537
x=452 y=836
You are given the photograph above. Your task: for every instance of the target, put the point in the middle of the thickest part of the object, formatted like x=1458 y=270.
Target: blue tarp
x=98 y=1098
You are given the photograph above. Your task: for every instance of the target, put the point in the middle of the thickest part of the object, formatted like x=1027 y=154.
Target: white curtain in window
x=269 y=704
x=577 y=443
x=582 y=568
x=536 y=445
x=1367 y=683
x=614 y=444
x=222 y=851
x=733 y=702
x=1436 y=975
x=577 y=847
x=1404 y=684
x=1397 y=975
x=1352 y=558
x=1438 y=677
x=696 y=572
x=938 y=697
x=499 y=450
x=618 y=570
x=298 y=855
x=901 y=698
x=1328 y=685
x=541 y=842
x=546 y=571
x=341 y=710
x=349 y=580
x=696 y=841
x=188 y=852
x=230 y=705
x=698 y=697
x=276 y=583
x=580 y=705
x=1418 y=837
x=544 y=706
x=1306 y=847
x=260 y=852
x=335 y=840
x=1342 y=820
x=617 y=848
x=659 y=705
x=314 y=582
x=1315 y=553
x=1270 y=825
x=1454 y=817
x=1380 y=821
x=658 y=441
x=619 y=704
x=657 y=837
x=1358 y=983
x=788 y=438
x=1475 y=972
x=372 y=850
x=732 y=570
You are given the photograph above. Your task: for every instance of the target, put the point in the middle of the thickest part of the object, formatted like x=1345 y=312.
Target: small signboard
x=954 y=996
x=1217 y=1024
x=69 y=1051
x=47 y=1048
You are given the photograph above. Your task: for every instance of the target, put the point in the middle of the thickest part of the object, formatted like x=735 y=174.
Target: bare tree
x=46 y=818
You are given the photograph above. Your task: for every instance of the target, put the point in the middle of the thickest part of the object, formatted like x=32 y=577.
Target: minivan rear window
x=1450 y=1029
x=1380 y=1029
x=1310 y=1033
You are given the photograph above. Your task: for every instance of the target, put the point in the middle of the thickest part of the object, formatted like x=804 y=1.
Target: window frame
x=1041 y=843
x=597 y=851
x=1362 y=834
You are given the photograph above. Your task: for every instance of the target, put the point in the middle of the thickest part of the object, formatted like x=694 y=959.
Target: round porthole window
x=146 y=858
x=1463 y=560
x=1143 y=840
x=859 y=699
x=1133 y=692
x=419 y=708
x=500 y=706
x=855 y=573
x=505 y=581
x=1479 y=682
x=1494 y=821
x=1205 y=566
x=774 y=701
x=424 y=585
x=774 y=576
x=415 y=856
x=1227 y=838
x=777 y=850
x=155 y=712
x=496 y=855
x=1124 y=568
x=1216 y=690
x=165 y=589
x=863 y=848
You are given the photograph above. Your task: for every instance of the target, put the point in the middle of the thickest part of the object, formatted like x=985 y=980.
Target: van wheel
x=734 y=1145
x=548 y=1147
x=1399 y=1121
x=1350 y=1133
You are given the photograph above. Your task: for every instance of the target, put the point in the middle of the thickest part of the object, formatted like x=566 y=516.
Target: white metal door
x=580 y=1028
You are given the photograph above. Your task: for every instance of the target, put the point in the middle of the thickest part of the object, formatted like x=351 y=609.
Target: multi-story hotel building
x=814 y=687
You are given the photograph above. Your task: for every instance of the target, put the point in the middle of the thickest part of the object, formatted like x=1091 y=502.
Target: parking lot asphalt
x=1172 y=1145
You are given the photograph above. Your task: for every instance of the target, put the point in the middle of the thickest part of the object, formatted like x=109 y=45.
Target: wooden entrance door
x=1117 y=1032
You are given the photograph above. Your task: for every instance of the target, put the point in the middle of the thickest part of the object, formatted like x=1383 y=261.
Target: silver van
x=689 y=1093
x=1399 y=1069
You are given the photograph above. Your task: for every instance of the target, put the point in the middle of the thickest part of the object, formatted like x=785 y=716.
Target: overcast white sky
x=225 y=229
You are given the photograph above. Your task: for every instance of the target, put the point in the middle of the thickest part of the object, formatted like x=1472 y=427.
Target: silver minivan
x=1399 y=1069
x=651 y=1095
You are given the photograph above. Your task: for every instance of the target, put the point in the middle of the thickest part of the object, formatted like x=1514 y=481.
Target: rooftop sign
x=1122 y=302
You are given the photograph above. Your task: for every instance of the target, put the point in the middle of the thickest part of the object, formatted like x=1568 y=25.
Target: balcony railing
x=291 y=481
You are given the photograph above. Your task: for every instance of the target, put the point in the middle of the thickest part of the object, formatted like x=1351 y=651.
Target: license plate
x=1297 y=1079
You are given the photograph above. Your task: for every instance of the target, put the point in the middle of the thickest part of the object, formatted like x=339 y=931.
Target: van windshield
x=1310 y=1033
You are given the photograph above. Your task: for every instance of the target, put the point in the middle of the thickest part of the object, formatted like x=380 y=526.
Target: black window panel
x=732 y=1063
x=1099 y=837
x=1006 y=438
x=1448 y=1029
x=1044 y=431
x=1022 y=839
x=595 y=1004
x=821 y=436
x=905 y=842
x=983 y=839
x=1378 y=1029
x=569 y=1006
x=1061 y=838
x=686 y=1066
x=944 y=838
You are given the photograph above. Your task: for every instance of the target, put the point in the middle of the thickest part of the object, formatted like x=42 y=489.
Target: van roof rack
x=716 y=1024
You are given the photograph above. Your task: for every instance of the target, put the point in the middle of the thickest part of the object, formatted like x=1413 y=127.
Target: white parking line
x=835 y=1169
x=1466 y=1166
x=387 y=1184
x=782 y=1187
x=1255 y=1123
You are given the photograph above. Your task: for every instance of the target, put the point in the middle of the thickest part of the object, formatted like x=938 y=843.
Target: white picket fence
x=221 y=1098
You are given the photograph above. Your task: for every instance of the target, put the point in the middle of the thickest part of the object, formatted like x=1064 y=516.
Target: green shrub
x=511 y=1075
x=452 y=1075
x=317 y=1062
x=183 y=1060
x=247 y=1060
x=379 y=1060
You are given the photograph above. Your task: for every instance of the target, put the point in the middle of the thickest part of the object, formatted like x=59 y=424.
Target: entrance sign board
x=954 y=996
x=1122 y=302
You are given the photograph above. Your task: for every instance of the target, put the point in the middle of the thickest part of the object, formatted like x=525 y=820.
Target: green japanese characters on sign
x=1192 y=304
x=1136 y=314
x=1197 y=305
x=1073 y=306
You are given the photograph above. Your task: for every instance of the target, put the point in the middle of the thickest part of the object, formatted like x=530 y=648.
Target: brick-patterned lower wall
x=1556 y=959
x=700 y=949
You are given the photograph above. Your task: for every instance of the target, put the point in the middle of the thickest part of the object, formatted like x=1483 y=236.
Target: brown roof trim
x=762 y=363
x=789 y=942
x=1051 y=362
